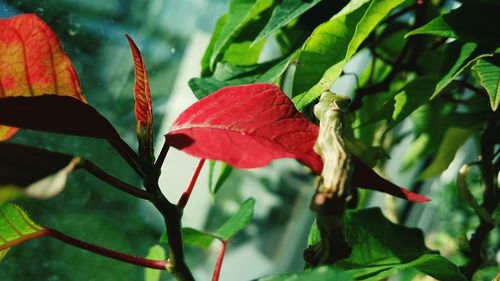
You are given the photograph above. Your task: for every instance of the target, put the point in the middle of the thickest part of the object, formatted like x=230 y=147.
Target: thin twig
x=185 y=196
x=156 y=264
x=161 y=156
x=220 y=259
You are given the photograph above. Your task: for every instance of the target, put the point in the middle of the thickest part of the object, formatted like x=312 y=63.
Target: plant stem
x=102 y=175
x=185 y=196
x=129 y=155
x=220 y=259
x=155 y=264
x=161 y=156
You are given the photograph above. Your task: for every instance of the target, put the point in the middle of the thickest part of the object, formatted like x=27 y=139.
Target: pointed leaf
x=64 y=115
x=16 y=227
x=453 y=25
x=283 y=14
x=33 y=63
x=247 y=127
x=143 y=106
x=332 y=44
x=32 y=171
x=225 y=171
x=488 y=70
x=237 y=222
x=364 y=177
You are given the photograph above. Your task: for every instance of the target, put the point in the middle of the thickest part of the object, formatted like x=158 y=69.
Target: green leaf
x=472 y=22
x=453 y=139
x=243 y=53
x=155 y=253
x=323 y=273
x=3 y=253
x=32 y=171
x=283 y=14
x=225 y=171
x=416 y=93
x=197 y=238
x=488 y=70
x=240 y=13
x=206 y=68
x=237 y=222
x=381 y=248
x=16 y=227
x=458 y=56
x=332 y=44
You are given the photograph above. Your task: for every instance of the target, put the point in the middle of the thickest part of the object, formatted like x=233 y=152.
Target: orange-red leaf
x=32 y=62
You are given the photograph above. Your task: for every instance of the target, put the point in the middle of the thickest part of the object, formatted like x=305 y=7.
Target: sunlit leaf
x=380 y=249
x=488 y=70
x=453 y=25
x=155 y=253
x=247 y=127
x=283 y=14
x=453 y=139
x=332 y=44
x=237 y=221
x=323 y=273
x=196 y=238
x=33 y=63
x=16 y=227
x=143 y=106
x=32 y=171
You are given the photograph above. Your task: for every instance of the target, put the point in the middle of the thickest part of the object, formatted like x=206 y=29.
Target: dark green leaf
x=283 y=14
x=155 y=253
x=237 y=222
x=32 y=171
x=481 y=28
x=381 y=249
x=332 y=44
x=323 y=273
x=488 y=70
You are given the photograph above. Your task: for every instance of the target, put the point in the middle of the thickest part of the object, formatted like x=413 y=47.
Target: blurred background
x=172 y=36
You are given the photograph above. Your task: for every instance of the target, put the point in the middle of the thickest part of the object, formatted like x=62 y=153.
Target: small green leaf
x=323 y=273
x=197 y=238
x=488 y=70
x=453 y=139
x=16 y=227
x=332 y=44
x=454 y=25
x=237 y=222
x=155 y=253
x=283 y=14
x=206 y=68
x=225 y=171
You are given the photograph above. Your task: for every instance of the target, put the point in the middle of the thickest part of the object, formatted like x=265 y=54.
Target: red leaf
x=246 y=126
x=32 y=62
x=364 y=177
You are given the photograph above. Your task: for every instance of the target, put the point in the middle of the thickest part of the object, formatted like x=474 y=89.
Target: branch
x=161 y=156
x=102 y=175
x=220 y=259
x=155 y=264
x=185 y=196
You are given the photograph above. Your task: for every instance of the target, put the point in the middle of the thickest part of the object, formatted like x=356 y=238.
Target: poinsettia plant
x=247 y=121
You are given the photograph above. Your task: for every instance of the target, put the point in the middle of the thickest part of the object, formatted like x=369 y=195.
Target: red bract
x=246 y=126
x=33 y=63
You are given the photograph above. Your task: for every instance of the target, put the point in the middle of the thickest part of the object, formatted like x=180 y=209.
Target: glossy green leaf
x=197 y=238
x=381 y=248
x=32 y=171
x=458 y=56
x=206 y=68
x=16 y=227
x=240 y=13
x=283 y=14
x=155 y=253
x=482 y=28
x=488 y=70
x=453 y=139
x=332 y=44
x=243 y=53
x=237 y=222
x=225 y=171
x=323 y=273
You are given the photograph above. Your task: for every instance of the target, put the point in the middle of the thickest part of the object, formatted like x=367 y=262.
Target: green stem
x=155 y=264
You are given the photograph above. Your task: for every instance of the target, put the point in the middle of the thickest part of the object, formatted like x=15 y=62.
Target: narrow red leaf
x=246 y=126
x=364 y=177
x=32 y=62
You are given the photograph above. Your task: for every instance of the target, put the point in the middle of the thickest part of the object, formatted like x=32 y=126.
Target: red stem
x=185 y=196
x=220 y=259
x=155 y=264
